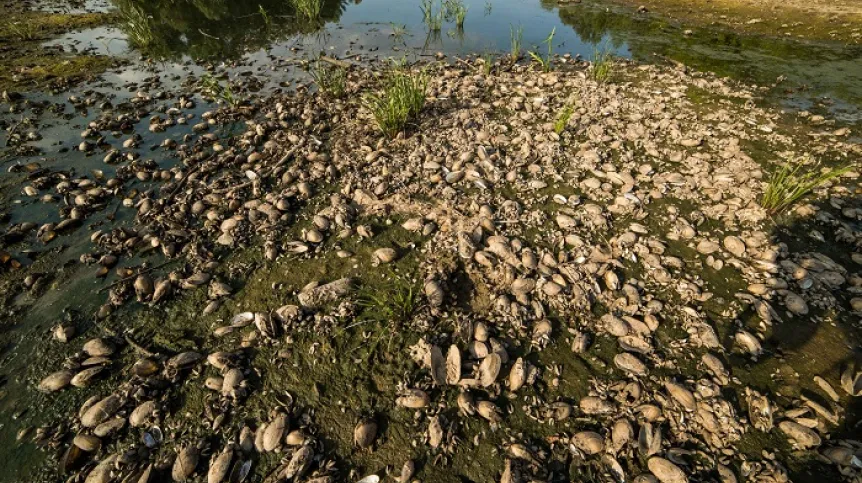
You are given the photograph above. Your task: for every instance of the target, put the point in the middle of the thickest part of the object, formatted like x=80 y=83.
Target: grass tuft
x=563 y=119
x=330 y=79
x=793 y=182
x=603 y=65
x=394 y=302
x=24 y=30
x=400 y=101
x=308 y=9
x=547 y=61
x=211 y=86
x=432 y=17
x=455 y=11
x=487 y=63
x=516 y=37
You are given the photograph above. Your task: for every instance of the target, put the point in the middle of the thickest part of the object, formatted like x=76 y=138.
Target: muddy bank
x=26 y=63
x=812 y=20
x=545 y=275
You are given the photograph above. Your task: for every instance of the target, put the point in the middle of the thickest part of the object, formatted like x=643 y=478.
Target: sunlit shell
x=101 y=411
x=517 y=375
x=802 y=436
x=85 y=377
x=99 y=348
x=589 y=442
x=435 y=432
x=630 y=364
x=453 y=365
x=649 y=439
x=489 y=369
x=275 y=431
x=220 y=466
x=413 y=399
x=596 y=406
x=365 y=433
x=681 y=395
x=622 y=433
x=298 y=464
x=748 y=343
x=665 y=471
x=87 y=442
x=56 y=381
x=185 y=463
x=489 y=411
x=141 y=414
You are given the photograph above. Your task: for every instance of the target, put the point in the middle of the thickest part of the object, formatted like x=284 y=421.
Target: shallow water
x=263 y=38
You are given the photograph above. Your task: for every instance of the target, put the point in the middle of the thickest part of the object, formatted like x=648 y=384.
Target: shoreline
x=820 y=20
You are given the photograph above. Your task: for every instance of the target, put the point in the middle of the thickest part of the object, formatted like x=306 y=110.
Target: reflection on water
x=228 y=29
x=205 y=29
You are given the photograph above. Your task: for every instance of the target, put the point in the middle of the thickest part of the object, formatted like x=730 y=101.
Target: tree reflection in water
x=223 y=29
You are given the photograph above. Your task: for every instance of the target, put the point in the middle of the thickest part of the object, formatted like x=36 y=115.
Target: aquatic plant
x=563 y=118
x=330 y=79
x=398 y=31
x=546 y=62
x=487 y=63
x=308 y=9
x=455 y=11
x=516 y=37
x=432 y=17
x=223 y=92
x=603 y=65
x=267 y=22
x=488 y=7
x=137 y=26
x=400 y=101
x=793 y=181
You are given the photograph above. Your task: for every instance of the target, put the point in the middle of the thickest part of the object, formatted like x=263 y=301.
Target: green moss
x=26 y=64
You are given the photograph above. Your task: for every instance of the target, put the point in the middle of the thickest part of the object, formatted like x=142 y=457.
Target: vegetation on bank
x=25 y=64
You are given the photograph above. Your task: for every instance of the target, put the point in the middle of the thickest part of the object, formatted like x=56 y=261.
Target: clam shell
x=596 y=406
x=56 y=381
x=489 y=411
x=453 y=365
x=517 y=375
x=681 y=395
x=385 y=255
x=649 y=440
x=802 y=436
x=489 y=369
x=98 y=348
x=665 y=471
x=87 y=442
x=232 y=381
x=630 y=364
x=101 y=411
x=298 y=464
x=413 y=399
x=589 y=442
x=142 y=413
x=220 y=466
x=275 y=431
x=365 y=433
x=85 y=377
x=185 y=463
x=109 y=427
x=145 y=367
